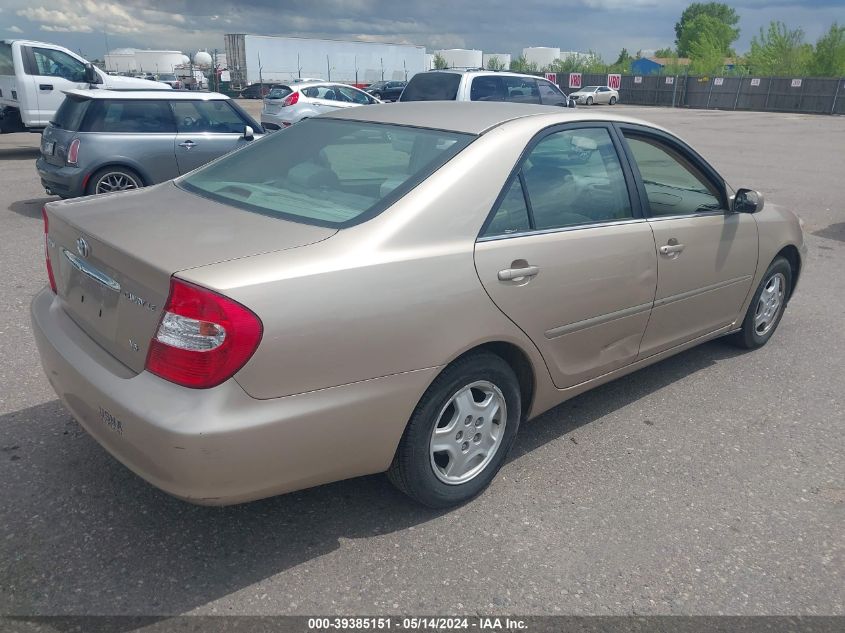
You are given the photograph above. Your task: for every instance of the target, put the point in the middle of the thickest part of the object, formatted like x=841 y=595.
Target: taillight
x=73 y=152
x=291 y=99
x=47 y=251
x=203 y=338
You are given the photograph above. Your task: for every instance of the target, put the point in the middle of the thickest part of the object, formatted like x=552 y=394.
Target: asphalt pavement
x=710 y=483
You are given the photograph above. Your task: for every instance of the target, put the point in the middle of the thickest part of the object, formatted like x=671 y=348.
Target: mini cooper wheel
x=766 y=308
x=113 y=179
x=460 y=432
x=613 y=101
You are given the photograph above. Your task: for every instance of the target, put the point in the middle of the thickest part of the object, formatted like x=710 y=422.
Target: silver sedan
x=596 y=94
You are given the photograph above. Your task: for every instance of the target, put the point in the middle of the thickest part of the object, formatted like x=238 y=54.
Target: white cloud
x=15 y=29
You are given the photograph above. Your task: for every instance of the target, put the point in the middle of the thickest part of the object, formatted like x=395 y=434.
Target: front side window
x=487 y=88
x=53 y=63
x=572 y=177
x=345 y=93
x=129 y=116
x=194 y=117
x=673 y=184
x=327 y=172
x=550 y=94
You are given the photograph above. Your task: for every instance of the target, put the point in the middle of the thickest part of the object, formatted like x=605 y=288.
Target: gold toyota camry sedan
x=394 y=288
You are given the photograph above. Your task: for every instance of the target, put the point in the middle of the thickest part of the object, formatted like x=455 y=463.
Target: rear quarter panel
x=151 y=155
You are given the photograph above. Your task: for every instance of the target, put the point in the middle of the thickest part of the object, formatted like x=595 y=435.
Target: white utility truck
x=33 y=76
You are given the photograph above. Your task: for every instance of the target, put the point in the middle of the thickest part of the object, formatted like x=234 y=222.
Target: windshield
x=167 y=77
x=279 y=93
x=327 y=172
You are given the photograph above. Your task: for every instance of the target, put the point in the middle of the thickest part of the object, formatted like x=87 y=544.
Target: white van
x=33 y=76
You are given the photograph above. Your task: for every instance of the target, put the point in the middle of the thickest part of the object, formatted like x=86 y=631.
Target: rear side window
x=7 y=65
x=130 y=116
x=504 y=88
x=432 y=87
x=194 y=117
x=327 y=172
x=279 y=93
x=70 y=114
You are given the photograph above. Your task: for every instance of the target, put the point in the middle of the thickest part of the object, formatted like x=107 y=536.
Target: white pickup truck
x=33 y=76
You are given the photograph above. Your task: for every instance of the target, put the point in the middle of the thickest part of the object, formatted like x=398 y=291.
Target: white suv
x=483 y=85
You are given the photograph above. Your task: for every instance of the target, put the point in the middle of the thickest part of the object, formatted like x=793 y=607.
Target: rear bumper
x=220 y=446
x=61 y=180
x=275 y=121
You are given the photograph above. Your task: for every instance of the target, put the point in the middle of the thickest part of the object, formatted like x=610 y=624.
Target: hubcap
x=769 y=304
x=117 y=181
x=468 y=432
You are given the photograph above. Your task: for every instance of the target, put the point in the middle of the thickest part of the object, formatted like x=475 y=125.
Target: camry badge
x=82 y=247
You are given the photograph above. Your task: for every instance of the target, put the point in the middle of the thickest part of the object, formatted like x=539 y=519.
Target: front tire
x=613 y=101
x=589 y=101
x=766 y=309
x=110 y=179
x=460 y=432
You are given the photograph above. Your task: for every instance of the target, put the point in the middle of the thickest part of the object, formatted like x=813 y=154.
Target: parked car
x=596 y=94
x=321 y=305
x=286 y=105
x=482 y=85
x=103 y=140
x=171 y=80
x=257 y=91
x=386 y=90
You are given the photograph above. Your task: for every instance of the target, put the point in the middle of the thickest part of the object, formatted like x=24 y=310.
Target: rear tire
x=460 y=432
x=766 y=308
x=116 y=178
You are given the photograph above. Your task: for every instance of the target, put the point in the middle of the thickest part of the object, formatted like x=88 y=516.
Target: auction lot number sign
x=614 y=81
x=574 y=80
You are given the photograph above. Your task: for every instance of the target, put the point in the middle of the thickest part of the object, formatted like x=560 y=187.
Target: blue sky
x=491 y=25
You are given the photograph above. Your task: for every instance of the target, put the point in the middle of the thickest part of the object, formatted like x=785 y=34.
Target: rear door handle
x=669 y=249
x=187 y=144
x=509 y=274
x=45 y=86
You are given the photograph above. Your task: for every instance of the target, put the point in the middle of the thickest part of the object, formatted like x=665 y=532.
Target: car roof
x=469 y=117
x=316 y=84
x=480 y=71
x=141 y=95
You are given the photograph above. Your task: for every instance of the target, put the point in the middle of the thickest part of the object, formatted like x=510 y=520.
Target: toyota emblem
x=82 y=247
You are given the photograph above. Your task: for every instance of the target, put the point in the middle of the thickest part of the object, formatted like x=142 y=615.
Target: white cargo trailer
x=254 y=58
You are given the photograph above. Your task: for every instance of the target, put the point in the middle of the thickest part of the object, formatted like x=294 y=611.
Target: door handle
x=509 y=274
x=187 y=144
x=670 y=249
x=45 y=86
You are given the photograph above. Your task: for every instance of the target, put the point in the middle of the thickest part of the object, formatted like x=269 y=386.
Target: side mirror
x=91 y=75
x=249 y=133
x=748 y=201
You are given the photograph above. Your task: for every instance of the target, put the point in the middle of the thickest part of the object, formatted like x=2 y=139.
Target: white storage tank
x=202 y=59
x=541 y=55
x=152 y=61
x=462 y=57
x=504 y=60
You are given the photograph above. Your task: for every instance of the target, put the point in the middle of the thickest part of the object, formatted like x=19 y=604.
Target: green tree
x=707 y=28
x=494 y=63
x=779 y=51
x=522 y=65
x=829 y=55
x=706 y=56
x=665 y=52
x=440 y=62
x=719 y=11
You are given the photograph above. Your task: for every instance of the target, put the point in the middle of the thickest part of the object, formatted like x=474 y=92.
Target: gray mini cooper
x=106 y=140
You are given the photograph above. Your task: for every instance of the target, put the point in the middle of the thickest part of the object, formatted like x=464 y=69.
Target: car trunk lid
x=113 y=256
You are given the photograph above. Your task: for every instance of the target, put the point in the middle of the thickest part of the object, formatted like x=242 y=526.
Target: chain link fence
x=809 y=95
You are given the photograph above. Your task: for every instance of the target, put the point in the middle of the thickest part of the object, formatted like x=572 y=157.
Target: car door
x=52 y=71
x=707 y=255
x=206 y=129
x=348 y=97
x=139 y=132
x=567 y=255
x=603 y=95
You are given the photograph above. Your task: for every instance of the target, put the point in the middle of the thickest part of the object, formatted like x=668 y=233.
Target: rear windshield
x=279 y=93
x=70 y=114
x=327 y=172
x=432 y=87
